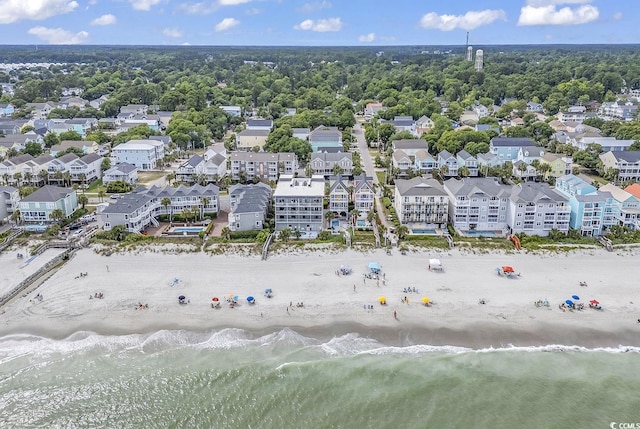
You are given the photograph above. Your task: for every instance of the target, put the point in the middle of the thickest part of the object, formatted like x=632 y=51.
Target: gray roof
x=465 y=155
x=90 y=157
x=194 y=161
x=127 y=203
x=254 y=133
x=325 y=134
x=533 y=150
x=48 y=194
x=43 y=159
x=534 y=192
x=477 y=185
x=170 y=191
x=8 y=189
x=262 y=156
x=260 y=123
x=419 y=186
x=124 y=168
x=331 y=157
x=410 y=144
x=19 y=159
x=68 y=157
x=250 y=198
x=512 y=141
x=218 y=159
x=628 y=155
x=163 y=139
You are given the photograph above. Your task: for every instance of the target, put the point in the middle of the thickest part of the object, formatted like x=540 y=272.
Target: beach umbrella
x=268 y=291
x=576 y=297
x=215 y=299
x=382 y=300
x=507 y=269
x=568 y=302
x=250 y=299
x=235 y=297
x=181 y=297
x=425 y=300
x=594 y=302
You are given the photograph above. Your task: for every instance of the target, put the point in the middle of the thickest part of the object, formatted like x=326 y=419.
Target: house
x=325 y=137
x=123 y=172
x=573 y=114
x=34 y=172
x=448 y=164
x=7 y=110
x=401 y=161
x=616 y=110
x=86 y=147
x=190 y=169
x=402 y=123
x=19 y=141
x=607 y=143
x=528 y=154
x=363 y=195
x=12 y=167
x=301 y=133
x=96 y=103
x=259 y=124
x=129 y=123
x=592 y=211
x=72 y=101
x=626 y=164
x=421 y=203
x=144 y=154
x=134 y=109
x=106 y=124
x=139 y=209
x=215 y=167
x=328 y=164
x=409 y=146
x=372 y=109
x=299 y=204
x=536 y=209
x=9 y=198
x=516 y=122
x=478 y=204
x=424 y=162
x=38 y=206
x=73 y=91
x=524 y=171
x=262 y=166
x=9 y=127
x=481 y=110
x=86 y=169
x=465 y=159
x=628 y=206
x=423 y=125
x=560 y=165
x=534 y=107
x=235 y=111
x=41 y=110
x=339 y=195
x=507 y=148
x=248 y=139
x=249 y=206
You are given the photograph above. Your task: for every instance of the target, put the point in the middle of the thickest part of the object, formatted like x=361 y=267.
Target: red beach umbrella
x=594 y=301
x=215 y=299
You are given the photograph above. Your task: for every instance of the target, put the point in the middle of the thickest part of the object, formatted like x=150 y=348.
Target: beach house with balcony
x=421 y=203
x=536 y=209
x=38 y=206
x=299 y=204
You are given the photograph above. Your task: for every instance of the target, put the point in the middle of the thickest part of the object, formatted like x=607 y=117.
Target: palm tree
x=354 y=214
x=284 y=234
x=402 y=231
x=67 y=178
x=27 y=177
x=166 y=202
x=83 y=200
x=226 y=232
x=83 y=179
x=544 y=169
x=205 y=202
x=17 y=177
x=58 y=176
x=371 y=216
x=43 y=176
x=15 y=216
x=101 y=194
x=171 y=177
x=463 y=171
x=297 y=234
x=56 y=215
x=522 y=167
x=329 y=216
x=186 y=213
x=5 y=178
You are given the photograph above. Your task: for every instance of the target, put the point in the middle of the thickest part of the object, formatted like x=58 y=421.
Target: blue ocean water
x=234 y=379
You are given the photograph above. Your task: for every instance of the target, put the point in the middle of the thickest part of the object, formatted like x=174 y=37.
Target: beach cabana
x=435 y=265
x=374 y=268
x=382 y=300
x=426 y=301
x=345 y=270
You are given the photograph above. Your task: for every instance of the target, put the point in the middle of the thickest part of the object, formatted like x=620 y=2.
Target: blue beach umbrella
x=569 y=302
x=268 y=291
x=235 y=297
x=250 y=299
x=576 y=297
x=181 y=297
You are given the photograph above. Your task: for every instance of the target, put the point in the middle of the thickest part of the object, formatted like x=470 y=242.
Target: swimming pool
x=424 y=231
x=480 y=233
x=361 y=223
x=187 y=229
x=335 y=223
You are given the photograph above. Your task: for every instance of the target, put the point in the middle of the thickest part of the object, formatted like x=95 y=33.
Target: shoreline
x=339 y=305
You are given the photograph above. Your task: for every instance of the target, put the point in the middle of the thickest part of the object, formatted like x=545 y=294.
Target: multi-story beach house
x=606 y=143
x=247 y=139
x=410 y=146
x=190 y=169
x=249 y=206
x=421 y=203
x=626 y=164
x=592 y=211
x=9 y=198
x=448 y=164
x=478 y=206
x=627 y=212
x=536 y=209
x=144 y=154
x=363 y=195
x=38 y=206
x=86 y=169
x=329 y=164
x=465 y=159
x=298 y=204
x=401 y=161
x=424 y=162
x=124 y=172
x=339 y=195
x=265 y=166
x=507 y=148
x=324 y=137
x=560 y=165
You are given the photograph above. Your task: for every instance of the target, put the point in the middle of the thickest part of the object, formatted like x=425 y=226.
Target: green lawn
x=382 y=176
x=95 y=187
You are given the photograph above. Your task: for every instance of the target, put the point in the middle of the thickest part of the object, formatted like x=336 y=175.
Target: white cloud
x=312 y=7
x=226 y=24
x=468 y=21
x=200 y=8
x=143 y=4
x=320 y=25
x=107 y=19
x=186 y=44
x=59 y=36
x=367 y=37
x=232 y=2
x=172 y=32
x=540 y=3
x=15 y=10
x=550 y=15
x=617 y=16
x=253 y=11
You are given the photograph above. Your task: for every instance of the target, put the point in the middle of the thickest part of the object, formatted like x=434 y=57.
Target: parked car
x=114 y=197
x=78 y=233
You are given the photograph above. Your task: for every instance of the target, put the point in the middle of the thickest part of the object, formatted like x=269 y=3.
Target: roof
x=68 y=157
x=422 y=154
x=533 y=150
x=43 y=159
x=48 y=194
x=534 y=192
x=420 y=186
x=124 y=168
x=8 y=189
x=300 y=186
x=617 y=193
x=325 y=134
x=633 y=189
x=512 y=141
x=551 y=157
x=331 y=157
x=262 y=156
x=218 y=159
x=627 y=155
x=254 y=133
x=465 y=155
x=477 y=185
x=194 y=161
x=398 y=155
x=127 y=203
x=410 y=144
x=260 y=123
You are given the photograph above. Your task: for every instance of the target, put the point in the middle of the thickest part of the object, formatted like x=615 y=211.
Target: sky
x=318 y=22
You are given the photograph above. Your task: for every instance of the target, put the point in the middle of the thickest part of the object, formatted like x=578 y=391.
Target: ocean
x=233 y=379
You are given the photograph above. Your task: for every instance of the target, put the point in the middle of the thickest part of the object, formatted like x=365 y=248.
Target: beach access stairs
x=449 y=239
x=7 y=241
x=606 y=243
x=265 y=247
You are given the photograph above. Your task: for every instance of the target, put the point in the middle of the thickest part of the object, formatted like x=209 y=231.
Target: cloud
x=16 y=10
x=226 y=24
x=172 y=32
x=186 y=44
x=320 y=25
x=468 y=21
x=107 y=19
x=143 y=4
x=312 y=7
x=541 y=3
x=59 y=36
x=550 y=15
x=232 y=2
x=367 y=37
x=617 y=16
x=253 y=11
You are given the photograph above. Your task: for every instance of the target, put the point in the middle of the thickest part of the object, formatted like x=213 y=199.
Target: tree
x=27 y=177
x=226 y=232
x=43 y=177
x=171 y=177
x=83 y=178
x=101 y=194
x=67 y=178
x=284 y=234
x=26 y=129
x=463 y=171
x=17 y=177
x=16 y=216
x=105 y=164
x=589 y=157
x=33 y=148
x=77 y=151
x=166 y=202
x=297 y=234
x=56 y=215
x=329 y=216
x=402 y=231
x=522 y=168
x=51 y=139
x=205 y=202
x=371 y=216
x=70 y=135
x=354 y=214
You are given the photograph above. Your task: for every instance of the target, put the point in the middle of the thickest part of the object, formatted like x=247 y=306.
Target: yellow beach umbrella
x=425 y=300
x=382 y=300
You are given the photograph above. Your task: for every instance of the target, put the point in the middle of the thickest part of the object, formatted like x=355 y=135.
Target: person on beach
x=395 y=315
x=107 y=268
x=354 y=287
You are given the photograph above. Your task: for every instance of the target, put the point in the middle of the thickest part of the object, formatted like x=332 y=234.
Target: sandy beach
x=338 y=304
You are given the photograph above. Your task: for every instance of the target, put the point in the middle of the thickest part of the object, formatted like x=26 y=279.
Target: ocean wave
x=351 y=344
